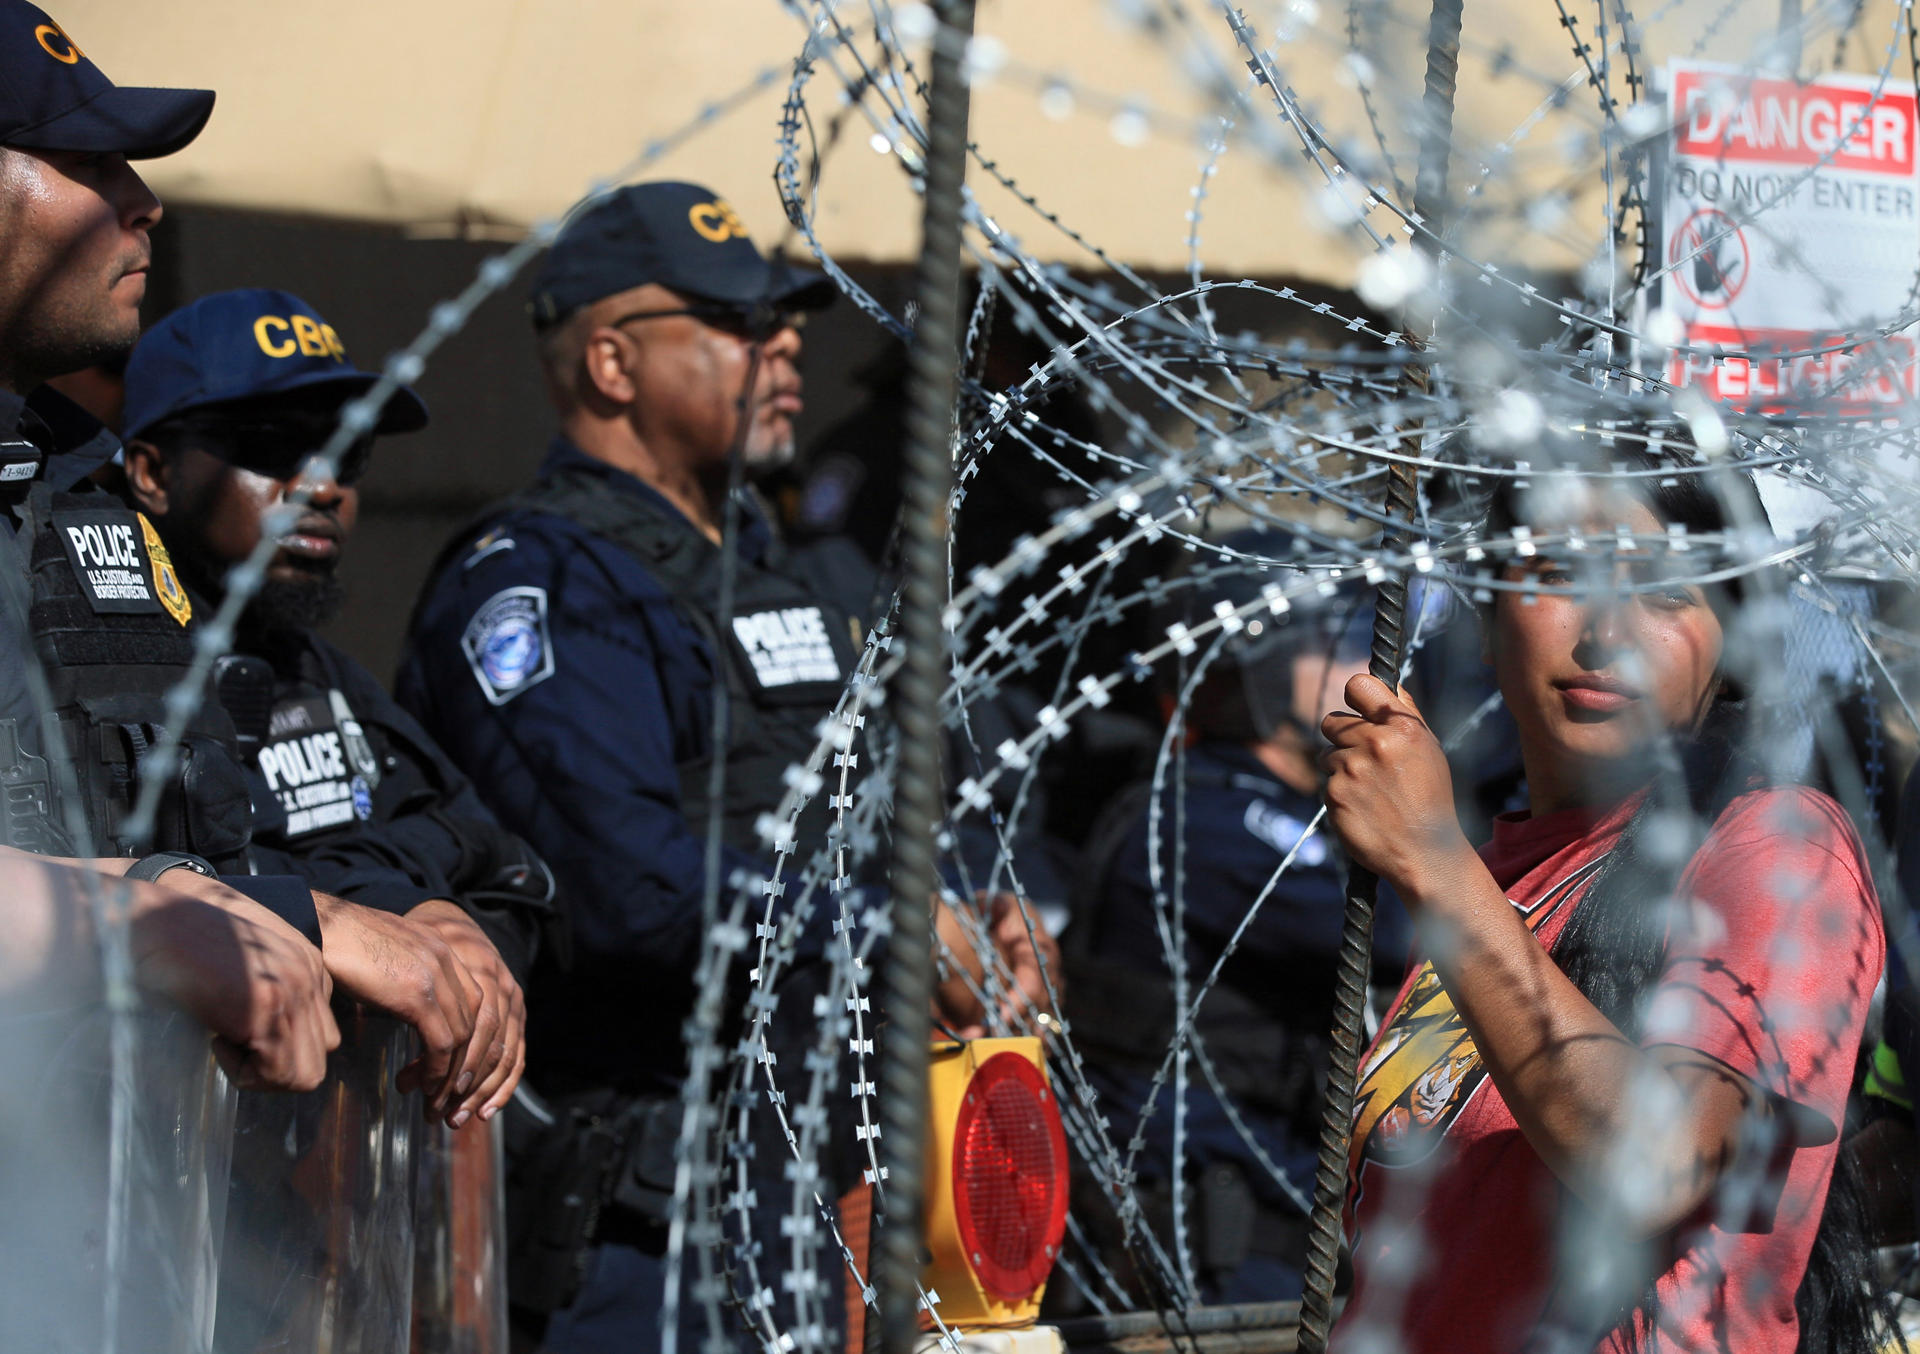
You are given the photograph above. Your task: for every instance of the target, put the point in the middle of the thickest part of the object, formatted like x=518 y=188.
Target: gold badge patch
x=166 y=583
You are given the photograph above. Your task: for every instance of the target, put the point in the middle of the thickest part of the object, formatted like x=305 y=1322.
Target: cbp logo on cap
x=54 y=41
x=283 y=336
x=716 y=221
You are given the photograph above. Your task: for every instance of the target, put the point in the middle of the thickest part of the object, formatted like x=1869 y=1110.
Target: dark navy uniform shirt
x=1240 y=823
x=555 y=670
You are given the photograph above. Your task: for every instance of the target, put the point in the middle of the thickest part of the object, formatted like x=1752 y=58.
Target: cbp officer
x=76 y=220
x=226 y=402
x=568 y=650
x=89 y=594
x=1249 y=788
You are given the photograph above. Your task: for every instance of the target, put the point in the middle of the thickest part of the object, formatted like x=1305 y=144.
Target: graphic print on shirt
x=310 y=768
x=507 y=645
x=1425 y=1068
x=788 y=645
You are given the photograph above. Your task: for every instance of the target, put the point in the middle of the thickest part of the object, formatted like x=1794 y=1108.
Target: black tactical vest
x=784 y=657
x=109 y=619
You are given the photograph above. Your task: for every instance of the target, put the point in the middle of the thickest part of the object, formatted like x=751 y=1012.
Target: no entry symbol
x=1709 y=258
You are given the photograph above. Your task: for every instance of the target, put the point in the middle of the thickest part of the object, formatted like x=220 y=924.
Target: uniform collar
x=755 y=533
x=73 y=442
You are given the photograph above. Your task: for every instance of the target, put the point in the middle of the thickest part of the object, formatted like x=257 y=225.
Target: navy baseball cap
x=52 y=97
x=246 y=345
x=679 y=235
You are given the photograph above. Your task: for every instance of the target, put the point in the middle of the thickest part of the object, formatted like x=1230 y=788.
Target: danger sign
x=1780 y=122
x=1789 y=221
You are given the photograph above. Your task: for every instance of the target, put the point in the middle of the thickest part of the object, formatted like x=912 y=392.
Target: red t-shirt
x=1452 y=1213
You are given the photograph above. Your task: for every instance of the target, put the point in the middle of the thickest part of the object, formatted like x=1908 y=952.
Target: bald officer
x=567 y=653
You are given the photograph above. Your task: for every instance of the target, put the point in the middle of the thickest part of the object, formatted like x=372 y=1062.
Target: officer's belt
x=583 y=1170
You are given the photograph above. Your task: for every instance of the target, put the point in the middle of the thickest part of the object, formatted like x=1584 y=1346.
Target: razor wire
x=1288 y=425
x=1142 y=443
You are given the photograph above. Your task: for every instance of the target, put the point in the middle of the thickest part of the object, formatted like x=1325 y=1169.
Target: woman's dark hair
x=1613 y=947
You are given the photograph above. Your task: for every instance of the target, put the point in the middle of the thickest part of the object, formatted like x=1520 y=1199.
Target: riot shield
x=460 y=1216
x=319 y=1255
x=110 y=1234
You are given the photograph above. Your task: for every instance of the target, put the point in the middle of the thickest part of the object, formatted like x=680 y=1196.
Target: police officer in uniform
x=226 y=401
x=92 y=594
x=567 y=653
x=1251 y=786
x=93 y=624
x=104 y=607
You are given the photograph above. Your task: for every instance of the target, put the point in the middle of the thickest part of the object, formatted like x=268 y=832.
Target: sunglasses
x=277 y=448
x=756 y=323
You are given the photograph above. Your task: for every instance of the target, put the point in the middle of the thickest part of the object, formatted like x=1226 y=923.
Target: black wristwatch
x=150 y=868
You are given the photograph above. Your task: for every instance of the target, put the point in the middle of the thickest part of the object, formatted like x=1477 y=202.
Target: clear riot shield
x=110 y=1230
x=319 y=1242
x=460 y=1244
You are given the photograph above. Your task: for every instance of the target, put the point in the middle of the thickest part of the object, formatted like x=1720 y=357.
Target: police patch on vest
x=506 y=643
x=110 y=559
x=788 y=645
x=306 y=765
x=166 y=583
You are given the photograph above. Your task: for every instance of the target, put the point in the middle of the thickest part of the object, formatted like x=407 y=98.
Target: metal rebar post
x=1389 y=617
x=926 y=478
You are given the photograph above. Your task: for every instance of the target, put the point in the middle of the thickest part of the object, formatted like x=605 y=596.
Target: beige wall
x=438 y=113
x=441 y=114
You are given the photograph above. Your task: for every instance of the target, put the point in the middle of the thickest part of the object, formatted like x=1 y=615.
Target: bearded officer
x=226 y=402
x=568 y=651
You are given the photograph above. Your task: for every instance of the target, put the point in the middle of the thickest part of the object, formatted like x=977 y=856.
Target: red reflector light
x=1010 y=1176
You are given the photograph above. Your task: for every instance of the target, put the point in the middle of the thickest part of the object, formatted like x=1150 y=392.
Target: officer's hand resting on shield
x=407 y=970
x=413 y=968
x=234 y=966
x=1006 y=920
x=434 y=968
x=497 y=1053
x=247 y=976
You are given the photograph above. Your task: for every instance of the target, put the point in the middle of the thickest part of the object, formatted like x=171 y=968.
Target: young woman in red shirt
x=1604 y=1110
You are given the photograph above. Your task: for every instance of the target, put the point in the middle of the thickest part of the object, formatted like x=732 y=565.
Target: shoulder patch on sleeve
x=507 y=645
